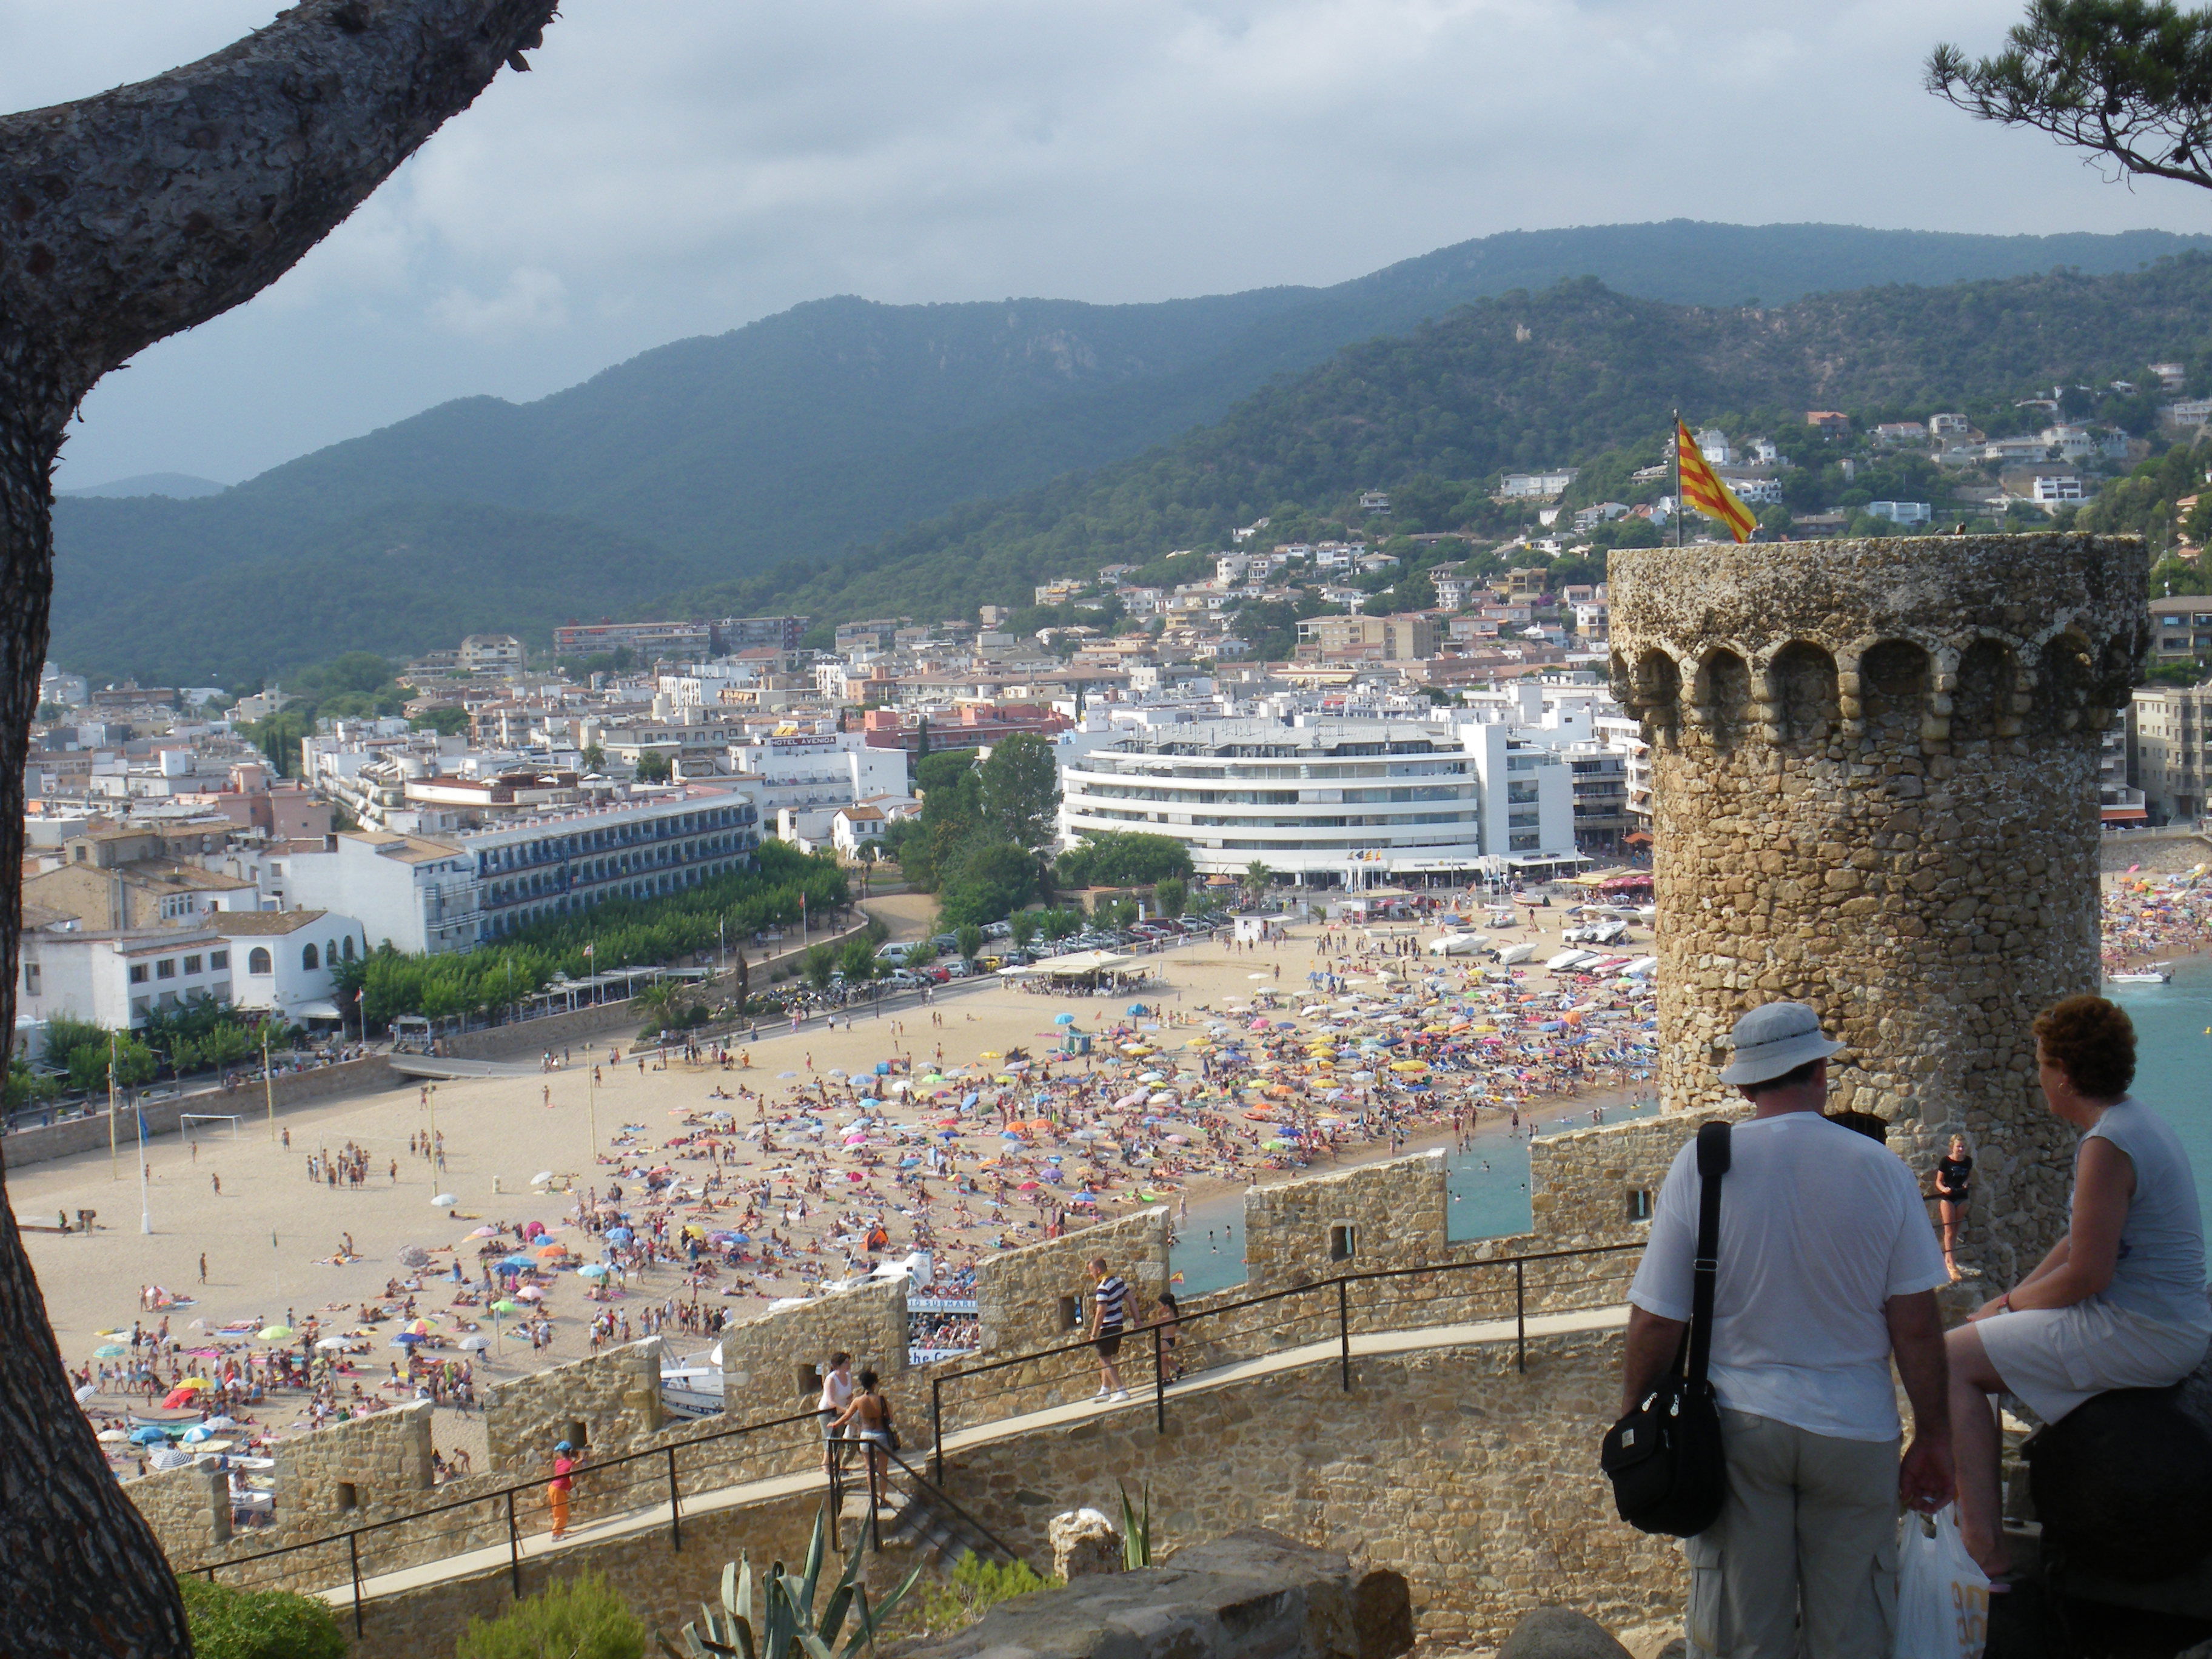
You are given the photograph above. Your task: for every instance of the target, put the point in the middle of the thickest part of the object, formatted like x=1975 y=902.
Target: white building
x=1327 y=802
x=116 y=977
x=1535 y=486
x=417 y=893
x=2052 y=489
x=818 y=769
x=284 y=960
x=490 y=653
x=1901 y=511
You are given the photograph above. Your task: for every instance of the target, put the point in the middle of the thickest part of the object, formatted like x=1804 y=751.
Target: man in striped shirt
x=1109 y=1316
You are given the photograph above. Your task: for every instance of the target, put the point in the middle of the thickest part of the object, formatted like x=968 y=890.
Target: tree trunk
x=123 y=219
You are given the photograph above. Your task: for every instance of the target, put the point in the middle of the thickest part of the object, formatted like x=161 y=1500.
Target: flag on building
x=1700 y=486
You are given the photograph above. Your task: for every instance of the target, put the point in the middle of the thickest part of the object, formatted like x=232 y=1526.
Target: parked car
x=905 y=980
x=998 y=930
x=1196 y=924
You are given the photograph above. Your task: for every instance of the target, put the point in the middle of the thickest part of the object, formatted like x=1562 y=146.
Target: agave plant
x=1136 y=1531
x=784 y=1626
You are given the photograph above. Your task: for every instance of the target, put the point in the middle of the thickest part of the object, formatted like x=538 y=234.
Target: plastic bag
x=1942 y=1597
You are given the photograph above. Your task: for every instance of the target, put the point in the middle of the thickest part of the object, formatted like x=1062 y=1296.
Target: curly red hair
x=2093 y=1040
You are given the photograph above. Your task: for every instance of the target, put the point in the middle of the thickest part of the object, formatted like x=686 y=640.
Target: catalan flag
x=1701 y=487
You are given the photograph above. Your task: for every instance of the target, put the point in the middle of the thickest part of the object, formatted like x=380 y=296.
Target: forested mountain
x=1525 y=380
x=711 y=463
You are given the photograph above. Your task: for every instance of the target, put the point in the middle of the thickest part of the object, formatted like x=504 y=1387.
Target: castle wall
x=1875 y=769
x=1394 y=1213
x=1019 y=1294
x=772 y=1366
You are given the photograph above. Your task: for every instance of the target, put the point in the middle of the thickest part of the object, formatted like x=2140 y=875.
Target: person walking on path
x=1109 y=1317
x=836 y=1395
x=867 y=1419
x=566 y=1460
x=1827 y=1268
x=2119 y=1302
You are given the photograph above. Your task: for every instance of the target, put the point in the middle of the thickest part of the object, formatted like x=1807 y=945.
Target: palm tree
x=1258 y=877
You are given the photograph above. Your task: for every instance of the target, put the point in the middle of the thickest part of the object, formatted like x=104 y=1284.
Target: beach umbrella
x=176 y=1398
x=485 y=1232
x=276 y=1334
x=620 y=1235
x=548 y=1252
x=505 y=1307
x=149 y=1436
x=168 y=1457
x=110 y=1350
x=474 y=1344
x=1063 y=1019
x=786 y=1074
x=113 y=1437
x=405 y=1339
x=541 y=1177
x=415 y=1256
x=529 y=1293
x=595 y=1270
x=444 y=1201
x=330 y=1344
x=420 y=1327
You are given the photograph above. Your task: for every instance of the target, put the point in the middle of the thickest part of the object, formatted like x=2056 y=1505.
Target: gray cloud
x=677 y=167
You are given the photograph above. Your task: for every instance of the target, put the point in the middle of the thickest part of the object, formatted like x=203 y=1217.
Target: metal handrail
x=837 y=1450
x=1341 y=1283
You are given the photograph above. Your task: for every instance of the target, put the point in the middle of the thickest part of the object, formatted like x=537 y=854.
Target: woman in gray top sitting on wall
x=2119 y=1303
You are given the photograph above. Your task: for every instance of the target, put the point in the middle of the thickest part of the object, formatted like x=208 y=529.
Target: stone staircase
x=912 y=1518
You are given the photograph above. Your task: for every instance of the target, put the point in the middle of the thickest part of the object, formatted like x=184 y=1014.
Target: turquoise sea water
x=1489 y=1185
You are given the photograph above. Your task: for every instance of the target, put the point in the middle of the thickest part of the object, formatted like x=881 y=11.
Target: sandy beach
x=805 y=1193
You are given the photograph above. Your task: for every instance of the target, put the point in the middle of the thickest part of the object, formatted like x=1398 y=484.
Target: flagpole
x=1677 y=481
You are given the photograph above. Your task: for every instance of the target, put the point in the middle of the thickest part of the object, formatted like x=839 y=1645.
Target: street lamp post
x=268 y=1081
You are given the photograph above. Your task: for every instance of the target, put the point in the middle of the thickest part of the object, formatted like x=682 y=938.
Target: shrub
x=977 y=1586
x=580 y=1618
x=241 y=1624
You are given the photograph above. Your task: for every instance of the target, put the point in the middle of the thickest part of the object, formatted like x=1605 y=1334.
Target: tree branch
x=126 y=217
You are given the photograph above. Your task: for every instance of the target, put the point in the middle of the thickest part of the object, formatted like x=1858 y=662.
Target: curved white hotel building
x=1330 y=802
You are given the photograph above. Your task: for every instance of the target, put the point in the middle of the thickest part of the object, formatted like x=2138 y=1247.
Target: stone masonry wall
x=367 y=1469
x=1394 y=1212
x=1876 y=770
x=613 y=1398
x=1018 y=1294
x=763 y=1361
x=1477 y=1481
x=1583 y=1184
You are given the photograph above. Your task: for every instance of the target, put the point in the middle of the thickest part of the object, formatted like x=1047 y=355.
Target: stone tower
x=1874 y=766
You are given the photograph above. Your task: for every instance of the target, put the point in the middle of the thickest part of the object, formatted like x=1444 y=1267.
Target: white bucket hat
x=1778 y=1038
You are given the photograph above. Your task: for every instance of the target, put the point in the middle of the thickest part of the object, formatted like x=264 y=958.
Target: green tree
x=821 y=965
x=992 y=881
x=943 y=770
x=1171 y=896
x=1059 y=923
x=243 y=1624
x=1025 y=928
x=968 y=940
x=447 y=719
x=2127 y=80
x=579 y=1618
x=1021 y=790
x=1258 y=877
x=594 y=758
x=652 y=769
x=1116 y=858
x=859 y=961
x=25 y=1087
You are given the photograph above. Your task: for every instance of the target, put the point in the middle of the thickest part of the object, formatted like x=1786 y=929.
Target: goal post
x=186 y=1120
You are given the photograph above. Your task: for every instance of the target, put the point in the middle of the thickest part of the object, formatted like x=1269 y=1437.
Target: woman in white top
x=2119 y=1303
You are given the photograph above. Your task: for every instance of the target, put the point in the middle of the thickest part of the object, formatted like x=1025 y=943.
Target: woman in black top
x=1954 y=1174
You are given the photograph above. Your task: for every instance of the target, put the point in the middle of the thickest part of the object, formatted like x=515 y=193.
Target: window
x=192 y=964
x=137 y=973
x=331 y=953
x=349 y=947
x=1639 y=1204
x=257 y=961
x=31 y=979
x=307 y=957
x=349 y=1495
x=1070 y=1315
x=218 y=959
x=1343 y=1241
x=166 y=968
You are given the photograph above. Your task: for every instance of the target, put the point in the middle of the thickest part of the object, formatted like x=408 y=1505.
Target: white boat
x=2151 y=972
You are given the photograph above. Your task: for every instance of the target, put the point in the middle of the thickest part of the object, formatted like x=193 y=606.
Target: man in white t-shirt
x=836 y=1395
x=1828 y=1266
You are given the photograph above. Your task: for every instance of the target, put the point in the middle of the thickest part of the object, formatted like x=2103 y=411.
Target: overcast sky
x=682 y=166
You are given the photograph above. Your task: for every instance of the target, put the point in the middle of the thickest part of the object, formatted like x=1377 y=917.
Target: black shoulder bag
x=1664 y=1458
